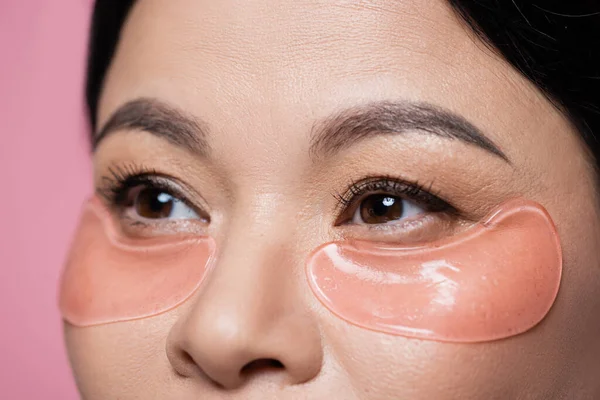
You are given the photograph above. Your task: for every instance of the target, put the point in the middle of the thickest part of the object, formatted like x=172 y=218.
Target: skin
x=260 y=75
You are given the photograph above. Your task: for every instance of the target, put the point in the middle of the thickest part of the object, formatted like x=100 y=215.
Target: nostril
x=184 y=365
x=263 y=364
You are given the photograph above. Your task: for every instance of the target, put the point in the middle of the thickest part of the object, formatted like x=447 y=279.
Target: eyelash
x=123 y=178
x=358 y=191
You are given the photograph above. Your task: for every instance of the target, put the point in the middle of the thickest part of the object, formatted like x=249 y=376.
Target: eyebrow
x=382 y=118
x=159 y=119
x=328 y=136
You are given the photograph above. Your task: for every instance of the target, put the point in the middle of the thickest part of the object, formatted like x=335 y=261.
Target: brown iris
x=380 y=208
x=154 y=203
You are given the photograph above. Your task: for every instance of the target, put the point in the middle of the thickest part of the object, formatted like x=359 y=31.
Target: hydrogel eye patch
x=111 y=278
x=495 y=280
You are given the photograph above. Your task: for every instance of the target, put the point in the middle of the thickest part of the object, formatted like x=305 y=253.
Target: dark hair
x=554 y=43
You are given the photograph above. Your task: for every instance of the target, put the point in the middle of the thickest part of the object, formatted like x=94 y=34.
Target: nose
x=248 y=321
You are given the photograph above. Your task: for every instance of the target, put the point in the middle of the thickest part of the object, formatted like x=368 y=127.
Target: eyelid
x=406 y=208
x=146 y=228
x=124 y=179
x=180 y=192
x=358 y=190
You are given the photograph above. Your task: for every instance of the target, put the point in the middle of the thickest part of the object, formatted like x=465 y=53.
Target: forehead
x=289 y=51
x=256 y=68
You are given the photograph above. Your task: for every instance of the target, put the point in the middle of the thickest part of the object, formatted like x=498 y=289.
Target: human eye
x=145 y=200
x=391 y=206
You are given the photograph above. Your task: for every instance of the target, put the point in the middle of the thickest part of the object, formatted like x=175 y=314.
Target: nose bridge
x=247 y=289
x=250 y=308
x=256 y=264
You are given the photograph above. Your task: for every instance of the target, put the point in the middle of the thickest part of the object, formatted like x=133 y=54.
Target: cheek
x=123 y=360
x=390 y=367
x=109 y=278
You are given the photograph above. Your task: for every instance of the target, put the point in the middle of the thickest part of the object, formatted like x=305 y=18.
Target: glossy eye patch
x=112 y=278
x=497 y=279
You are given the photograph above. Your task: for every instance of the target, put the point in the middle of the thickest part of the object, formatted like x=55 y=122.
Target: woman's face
x=287 y=99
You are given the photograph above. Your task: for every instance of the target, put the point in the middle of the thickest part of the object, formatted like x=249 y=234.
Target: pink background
x=44 y=176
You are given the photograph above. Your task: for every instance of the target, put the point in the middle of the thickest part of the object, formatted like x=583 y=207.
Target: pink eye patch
x=497 y=279
x=110 y=278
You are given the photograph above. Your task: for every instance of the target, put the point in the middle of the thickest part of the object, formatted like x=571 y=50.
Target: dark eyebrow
x=160 y=119
x=382 y=118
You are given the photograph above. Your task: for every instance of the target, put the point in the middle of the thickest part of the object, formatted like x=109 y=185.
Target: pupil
x=152 y=203
x=382 y=206
x=377 y=209
x=159 y=201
